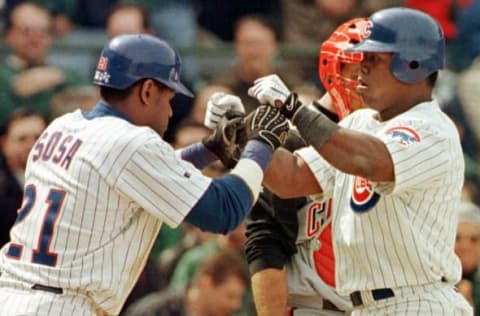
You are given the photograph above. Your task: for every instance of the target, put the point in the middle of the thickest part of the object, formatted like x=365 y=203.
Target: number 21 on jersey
x=41 y=254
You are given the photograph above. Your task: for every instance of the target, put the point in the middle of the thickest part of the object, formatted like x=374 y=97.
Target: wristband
x=252 y=164
x=315 y=127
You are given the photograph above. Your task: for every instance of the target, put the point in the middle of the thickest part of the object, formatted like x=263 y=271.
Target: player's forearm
x=229 y=199
x=350 y=151
x=223 y=206
x=270 y=292
x=198 y=155
x=358 y=154
x=288 y=176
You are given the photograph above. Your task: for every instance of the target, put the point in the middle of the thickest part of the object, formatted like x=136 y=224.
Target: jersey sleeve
x=161 y=183
x=321 y=169
x=420 y=154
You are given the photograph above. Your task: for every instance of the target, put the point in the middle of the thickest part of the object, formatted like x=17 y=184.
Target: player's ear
x=145 y=90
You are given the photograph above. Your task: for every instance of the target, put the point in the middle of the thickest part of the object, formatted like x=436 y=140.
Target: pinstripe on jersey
x=407 y=235
x=92 y=225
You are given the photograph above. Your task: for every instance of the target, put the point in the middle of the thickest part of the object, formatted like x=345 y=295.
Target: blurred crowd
x=40 y=83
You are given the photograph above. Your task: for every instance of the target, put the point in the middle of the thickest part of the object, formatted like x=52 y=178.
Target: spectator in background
x=92 y=13
x=135 y=17
x=220 y=17
x=467 y=247
x=71 y=99
x=61 y=10
x=191 y=259
x=215 y=290
x=309 y=22
x=460 y=23
x=128 y=18
x=256 y=48
x=456 y=111
x=21 y=130
x=467 y=42
x=26 y=78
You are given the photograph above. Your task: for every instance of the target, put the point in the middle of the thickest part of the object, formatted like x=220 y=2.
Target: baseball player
x=278 y=235
x=394 y=173
x=100 y=184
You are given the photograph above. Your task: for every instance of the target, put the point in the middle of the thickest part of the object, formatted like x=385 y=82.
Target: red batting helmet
x=332 y=55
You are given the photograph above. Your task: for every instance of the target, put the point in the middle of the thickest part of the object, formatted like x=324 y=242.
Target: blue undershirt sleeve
x=198 y=155
x=223 y=206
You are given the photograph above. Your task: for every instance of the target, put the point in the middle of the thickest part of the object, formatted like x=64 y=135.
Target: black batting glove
x=268 y=125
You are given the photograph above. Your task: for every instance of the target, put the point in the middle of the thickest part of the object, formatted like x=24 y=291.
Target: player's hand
x=268 y=125
x=228 y=138
x=36 y=80
x=291 y=106
x=269 y=90
x=218 y=104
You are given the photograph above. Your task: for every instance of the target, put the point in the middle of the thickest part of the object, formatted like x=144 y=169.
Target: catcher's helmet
x=414 y=37
x=132 y=57
x=333 y=53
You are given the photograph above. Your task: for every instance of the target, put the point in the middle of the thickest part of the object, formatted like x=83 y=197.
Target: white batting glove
x=269 y=90
x=218 y=104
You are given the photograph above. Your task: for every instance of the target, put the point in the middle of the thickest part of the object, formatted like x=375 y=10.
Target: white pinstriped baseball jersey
x=389 y=235
x=97 y=192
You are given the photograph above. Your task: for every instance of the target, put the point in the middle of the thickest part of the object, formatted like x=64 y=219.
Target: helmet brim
x=179 y=87
x=372 y=46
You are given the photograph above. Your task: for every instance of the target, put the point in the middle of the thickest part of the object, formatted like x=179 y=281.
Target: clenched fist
x=268 y=125
x=269 y=90
x=218 y=104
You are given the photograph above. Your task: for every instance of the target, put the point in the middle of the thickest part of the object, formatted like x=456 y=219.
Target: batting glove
x=268 y=125
x=228 y=138
x=218 y=104
x=290 y=107
x=269 y=90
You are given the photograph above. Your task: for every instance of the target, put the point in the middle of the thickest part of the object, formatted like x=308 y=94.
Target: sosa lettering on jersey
x=56 y=147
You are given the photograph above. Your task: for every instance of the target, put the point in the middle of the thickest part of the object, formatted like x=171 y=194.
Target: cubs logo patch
x=363 y=196
x=404 y=136
x=366 y=29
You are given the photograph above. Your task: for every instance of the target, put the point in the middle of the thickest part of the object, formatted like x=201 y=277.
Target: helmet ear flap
x=408 y=71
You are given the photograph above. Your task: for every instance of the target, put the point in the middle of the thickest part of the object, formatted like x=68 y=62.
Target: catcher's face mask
x=338 y=68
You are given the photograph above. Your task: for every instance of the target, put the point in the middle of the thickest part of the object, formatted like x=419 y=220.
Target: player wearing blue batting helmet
x=129 y=58
x=418 y=44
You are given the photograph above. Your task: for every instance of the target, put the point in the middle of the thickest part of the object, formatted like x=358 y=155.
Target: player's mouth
x=362 y=86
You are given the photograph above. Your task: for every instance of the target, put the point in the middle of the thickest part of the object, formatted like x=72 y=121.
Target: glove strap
x=291 y=106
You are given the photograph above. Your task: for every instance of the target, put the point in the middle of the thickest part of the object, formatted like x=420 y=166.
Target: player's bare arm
x=262 y=285
x=350 y=151
x=359 y=154
x=286 y=167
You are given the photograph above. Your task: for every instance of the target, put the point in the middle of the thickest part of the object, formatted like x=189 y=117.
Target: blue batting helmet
x=132 y=57
x=414 y=37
